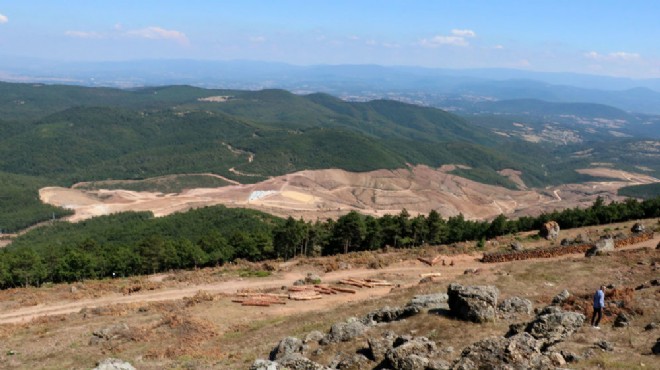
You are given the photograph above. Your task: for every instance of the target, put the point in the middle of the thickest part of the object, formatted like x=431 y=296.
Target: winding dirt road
x=404 y=272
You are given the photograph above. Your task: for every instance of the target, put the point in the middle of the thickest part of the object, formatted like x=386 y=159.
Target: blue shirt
x=599 y=299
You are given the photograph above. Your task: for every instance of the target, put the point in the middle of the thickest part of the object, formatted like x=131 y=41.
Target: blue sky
x=589 y=36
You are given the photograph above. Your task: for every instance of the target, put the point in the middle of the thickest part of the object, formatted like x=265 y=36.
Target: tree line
x=135 y=243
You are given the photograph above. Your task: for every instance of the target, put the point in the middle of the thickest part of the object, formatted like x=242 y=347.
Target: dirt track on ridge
x=407 y=272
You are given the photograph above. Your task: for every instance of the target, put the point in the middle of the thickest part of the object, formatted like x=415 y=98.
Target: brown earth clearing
x=331 y=193
x=186 y=319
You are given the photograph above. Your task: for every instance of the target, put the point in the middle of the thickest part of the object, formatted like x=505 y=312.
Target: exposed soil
x=185 y=319
x=331 y=193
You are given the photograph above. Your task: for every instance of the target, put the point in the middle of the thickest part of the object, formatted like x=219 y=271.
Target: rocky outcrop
x=260 y=364
x=560 y=298
x=638 y=228
x=113 y=364
x=622 y=320
x=113 y=332
x=409 y=353
x=345 y=331
x=551 y=325
x=601 y=247
x=388 y=314
x=473 y=303
x=285 y=347
x=521 y=351
x=514 y=306
x=550 y=230
x=429 y=301
x=314 y=336
x=516 y=246
x=297 y=361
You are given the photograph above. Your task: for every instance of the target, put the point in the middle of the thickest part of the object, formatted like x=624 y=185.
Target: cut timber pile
x=305 y=292
x=431 y=262
x=561 y=250
x=259 y=299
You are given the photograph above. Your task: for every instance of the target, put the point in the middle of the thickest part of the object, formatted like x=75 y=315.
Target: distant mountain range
x=361 y=82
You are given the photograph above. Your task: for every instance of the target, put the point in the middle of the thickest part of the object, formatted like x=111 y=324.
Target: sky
x=617 y=38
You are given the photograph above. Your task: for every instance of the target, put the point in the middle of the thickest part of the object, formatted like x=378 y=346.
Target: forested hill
x=60 y=135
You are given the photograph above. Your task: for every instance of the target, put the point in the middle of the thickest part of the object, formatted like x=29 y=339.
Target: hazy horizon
x=604 y=38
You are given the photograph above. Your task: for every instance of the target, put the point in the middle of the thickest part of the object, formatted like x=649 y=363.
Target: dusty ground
x=331 y=193
x=187 y=320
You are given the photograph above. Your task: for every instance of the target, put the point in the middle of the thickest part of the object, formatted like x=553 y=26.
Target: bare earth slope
x=332 y=192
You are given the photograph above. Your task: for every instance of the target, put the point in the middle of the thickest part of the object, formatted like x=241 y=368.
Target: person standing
x=599 y=303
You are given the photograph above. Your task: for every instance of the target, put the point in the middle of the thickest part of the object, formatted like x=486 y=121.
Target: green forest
x=54 y=135
x=137 y=243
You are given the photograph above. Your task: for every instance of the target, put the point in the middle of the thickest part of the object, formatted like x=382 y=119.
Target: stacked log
x=549 y=252
x=430 y=262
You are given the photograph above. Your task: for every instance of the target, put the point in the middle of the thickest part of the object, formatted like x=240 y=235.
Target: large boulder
x=410 y=353
x=113 y=364
x=261 y=364
x=601 y=247
x=550 y=230
x=345 y=331
x=429 y=301
x=118 y=331
x=622 y=320
x=285 y=347
x=638 y=228
x=378 y=346
x=296 y=361
x=513 y=306
x=389 y=314
x=552 y=325
x=560 y=298
x=473 y=303
x=521 y=351
x=516 y=246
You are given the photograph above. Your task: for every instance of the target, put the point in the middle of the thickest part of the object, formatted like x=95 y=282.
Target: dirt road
x=405 y=272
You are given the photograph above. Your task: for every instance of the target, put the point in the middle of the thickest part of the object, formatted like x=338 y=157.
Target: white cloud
x=498 y=47
x=158 y=33
x=84 y=35
x=3 y=19
x=457 y=37
x=615 y=56
x=441 y=40
x=463 y=33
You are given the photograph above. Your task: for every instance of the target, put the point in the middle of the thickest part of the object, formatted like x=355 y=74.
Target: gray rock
x=313 y=336
x=570 y=356
x=581 y=239
x=112 y=332
x=113 y=364
x=348 y=361
x=553 y=325
x=651 y=326
x=296 y=361
x=516 y=246
x=638 y=228
x=601 y=247
x=512 y=306
x=410 y=353
x=564 y=242
x=550 y=230
x=438 y=364
x=560 y=298
x=473 y=303
x=622 y=320
x=344 y=331
x=605 y=345
x=285 y=347
x=389 y=314
x=378 y=347
x=312 y=278
x=429 y=300
x=260 y=364
x=521 y=351
x=656 y=347
x=299 y=282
